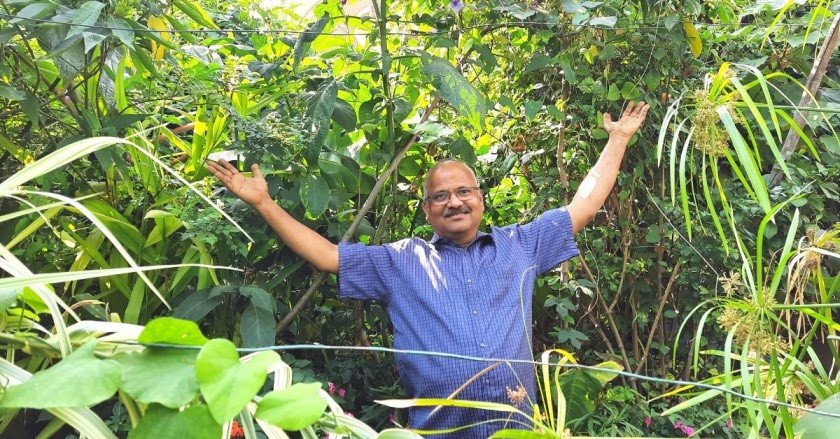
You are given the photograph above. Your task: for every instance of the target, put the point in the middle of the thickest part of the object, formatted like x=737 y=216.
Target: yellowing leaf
x=693 y=36
x=158 y=24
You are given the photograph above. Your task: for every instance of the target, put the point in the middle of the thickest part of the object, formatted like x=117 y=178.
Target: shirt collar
x=439 y=241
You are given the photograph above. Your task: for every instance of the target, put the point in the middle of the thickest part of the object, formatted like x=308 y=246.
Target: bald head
x=446 y=163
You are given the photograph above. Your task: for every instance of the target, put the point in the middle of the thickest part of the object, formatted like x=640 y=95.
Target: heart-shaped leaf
x=80 y=380
x=294 y=408
x=173 y=331
x=226 y=384
x=192 y=423
x=163 y=376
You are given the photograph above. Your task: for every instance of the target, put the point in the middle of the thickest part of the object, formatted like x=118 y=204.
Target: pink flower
x=687 y=430
x=678 y=425
x=648 y=421
x=729 y=423
x=341 y=393
x=391 y=418
x=332 y=388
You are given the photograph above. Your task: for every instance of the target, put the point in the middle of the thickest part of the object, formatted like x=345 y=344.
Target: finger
x=643 y=109
x=607 y=118
x=214 y=168
x=228 y=167
x=255 y=168
x=630 y=107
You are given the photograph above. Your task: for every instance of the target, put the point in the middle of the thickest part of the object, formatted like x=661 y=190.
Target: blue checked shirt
x=473 y=301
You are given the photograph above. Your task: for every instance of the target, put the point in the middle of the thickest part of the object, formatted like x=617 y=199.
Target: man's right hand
x=252 y=190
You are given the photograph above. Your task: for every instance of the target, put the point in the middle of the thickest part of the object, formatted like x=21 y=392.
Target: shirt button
x=475 y=313
x=469 y=281
x=482 y=344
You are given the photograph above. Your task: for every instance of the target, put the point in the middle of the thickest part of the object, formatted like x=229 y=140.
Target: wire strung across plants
x=412 y=33
x=301 y=347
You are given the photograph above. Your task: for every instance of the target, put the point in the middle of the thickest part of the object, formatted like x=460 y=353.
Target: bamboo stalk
x=812 y=84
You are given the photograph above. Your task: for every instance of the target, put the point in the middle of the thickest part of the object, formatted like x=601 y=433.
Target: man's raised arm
x=304 y=241
x=595 y=188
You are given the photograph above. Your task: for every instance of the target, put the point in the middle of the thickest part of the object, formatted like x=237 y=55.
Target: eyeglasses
x=442 y=197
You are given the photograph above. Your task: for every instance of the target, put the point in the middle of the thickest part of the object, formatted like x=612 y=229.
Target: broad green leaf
x=302 y=43
x=319 y=110
x=455 y=89
x=315 y=194
x=11 y=93
x=226 y=384
x=92 y=39
x=630 y=91
x=121 y=29
x=33 y=11
x=532 y=108
x=344 y=115
x=197 y=304
x=84 y=17
x=537 y=62
x=259 y=297
x=172 y=331
x=582 y=387
x=194 y=422
x=84 y=420
x=80 y=380
x=463 y=150
x=159 y=375
x=604 y=21
x=431 y=132
x=31 y=107
x=257 y=327
x=613 y=93
x=294 y=408
x=486 y=56
x=195 y=11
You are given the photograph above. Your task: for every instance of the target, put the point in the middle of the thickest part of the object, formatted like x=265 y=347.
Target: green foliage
x=226 y=384
x=142 y=372
x=79 y=380
x=294 y=408
x=325 y=113
x=193 y=422
x=820 y=426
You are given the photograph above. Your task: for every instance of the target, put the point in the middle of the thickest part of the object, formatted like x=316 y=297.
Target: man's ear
x=426 y=209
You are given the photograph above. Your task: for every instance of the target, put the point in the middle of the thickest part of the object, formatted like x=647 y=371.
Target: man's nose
x=454 y=200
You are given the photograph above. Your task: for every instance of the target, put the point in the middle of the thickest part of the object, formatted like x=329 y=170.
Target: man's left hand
x=630 y=121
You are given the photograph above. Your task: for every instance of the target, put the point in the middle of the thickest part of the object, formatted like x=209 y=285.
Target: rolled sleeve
x=550 y=239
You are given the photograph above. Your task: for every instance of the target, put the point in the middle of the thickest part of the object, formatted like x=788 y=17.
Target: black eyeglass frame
x=472 y=190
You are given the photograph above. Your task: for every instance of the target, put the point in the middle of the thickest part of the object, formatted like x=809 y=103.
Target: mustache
x=449 y=211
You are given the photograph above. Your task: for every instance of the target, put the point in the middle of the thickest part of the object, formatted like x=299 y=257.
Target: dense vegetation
x=714 y=261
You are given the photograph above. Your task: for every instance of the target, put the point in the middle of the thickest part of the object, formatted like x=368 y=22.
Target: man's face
x=453 y=218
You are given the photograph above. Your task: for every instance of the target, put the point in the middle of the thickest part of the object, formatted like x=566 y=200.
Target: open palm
x=252 y=190
x=630 y=121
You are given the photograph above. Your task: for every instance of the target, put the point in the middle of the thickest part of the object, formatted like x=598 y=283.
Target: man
x=464 y=292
